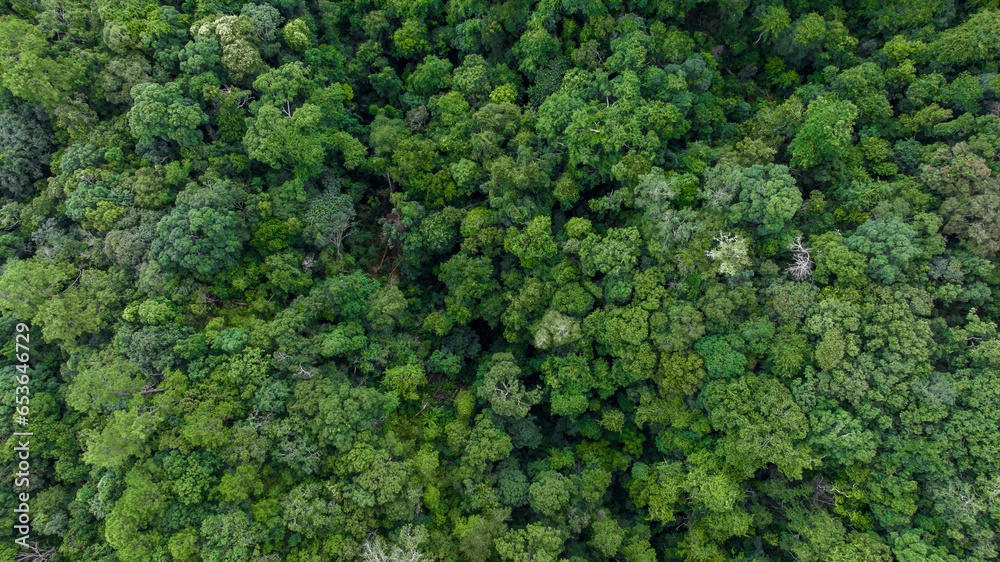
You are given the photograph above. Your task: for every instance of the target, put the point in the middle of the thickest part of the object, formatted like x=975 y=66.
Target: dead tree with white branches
x=802 y=268
x=36 y=553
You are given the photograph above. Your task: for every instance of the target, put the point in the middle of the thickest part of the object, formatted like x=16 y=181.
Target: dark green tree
x=25 y=144
x=203 y=234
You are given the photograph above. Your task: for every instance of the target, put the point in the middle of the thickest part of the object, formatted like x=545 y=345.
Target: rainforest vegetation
x=508 y=280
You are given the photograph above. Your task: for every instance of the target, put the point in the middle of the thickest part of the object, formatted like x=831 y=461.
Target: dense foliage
x=316 y=280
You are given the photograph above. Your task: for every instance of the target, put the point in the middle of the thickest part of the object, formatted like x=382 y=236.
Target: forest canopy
x=314 y=280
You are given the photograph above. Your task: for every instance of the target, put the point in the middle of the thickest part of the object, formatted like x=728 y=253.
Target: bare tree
x=304 y=373
x=36 y=553
x=722 y=183
x=802 y=268
x=308 y=262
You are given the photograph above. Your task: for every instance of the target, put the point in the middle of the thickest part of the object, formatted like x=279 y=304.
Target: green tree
x=230 y=537
x=975 y=40
x=266 y=19
x=81 y=309
x=826 y=133
x=890 y=245
x=201 y=55
x=202 y=234
x=26 y=284
x=535 y=542
x=431 y=76
x=329 y=219
x=477 y=534
x=549 y=494
x=615 y=254
x=28 y=290
x=834 y=258
x=486 y=445
x=773 y=21
x=184 y=545
x=120 y=75
x=234 y=33
x=128 y=525
x=680 y=371
x=295 y=141
x=470 y=282
x=813 y=39
x=240 y=483
x=608 y=536
x=340 y=414
x=387 y=308
x=411 y=38
x=964 y=94
x=27 y=70
x=769 y=427
x=104 y=383
x=502 y=388
x=971 y=194
x=864 y=85
x=570 y=378
x=306 y=509
x=768 y=198
x=842 y=436
x=163 y=112
x=296 y=35
x=405 y=380
x=284 y=86
x=25 y=142
x=534 y=244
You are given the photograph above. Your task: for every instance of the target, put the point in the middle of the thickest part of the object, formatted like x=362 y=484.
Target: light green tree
x=536 y=543
x=549 y=494
x=826 y=133
x=280 y=140
x=732 y=253
x=296 y=35
x=534 y=244
x=975 y=40
x=27 y=70
x=235 y=33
